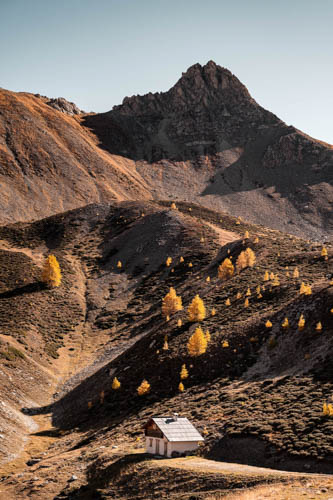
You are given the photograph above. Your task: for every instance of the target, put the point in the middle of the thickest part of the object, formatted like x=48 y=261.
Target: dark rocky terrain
x=204 y=141
x=95 y=189
x=258 y=401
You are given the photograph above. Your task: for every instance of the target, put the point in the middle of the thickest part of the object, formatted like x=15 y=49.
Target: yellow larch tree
x=181 y=259
x=171 y=303
x=181 y=387
x=247 y=302
x=197 y=343
x=207 y=335
x=115 y=384
x=213 y=312
x=301 y=323
x=183 y=372
x=266 y=276
x=227 y=302
x=51 y=272
x=319 y=327
x=168 y=261
x=226 y=269
x=285 y=323
x=179 y=323
x=196 y=310
x=250 y=257
x=173 y=206
x=324 y=253
x=143 y=388
x=241 y=262
x=268 y=324
x=119 y=264
x=296 y=273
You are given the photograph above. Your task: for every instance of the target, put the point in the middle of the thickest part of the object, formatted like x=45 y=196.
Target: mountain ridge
x=205 y=140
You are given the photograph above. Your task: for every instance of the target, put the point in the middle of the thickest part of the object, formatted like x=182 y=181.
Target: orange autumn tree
x=245 y=259
x=51 y=272
x=196 y=310
x=226 y=269
x=143 y=388
x=171 y=303
x=197 y=344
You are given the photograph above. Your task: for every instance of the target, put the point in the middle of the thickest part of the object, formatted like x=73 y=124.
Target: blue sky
x=97 y=52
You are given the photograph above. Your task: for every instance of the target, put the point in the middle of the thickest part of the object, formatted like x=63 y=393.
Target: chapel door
x=165 y=449
x=157 y=447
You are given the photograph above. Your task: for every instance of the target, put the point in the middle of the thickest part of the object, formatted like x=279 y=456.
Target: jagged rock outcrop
x=64 y=106
x=207 y=111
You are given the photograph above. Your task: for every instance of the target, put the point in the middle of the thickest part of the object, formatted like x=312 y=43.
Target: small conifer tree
x=51 y=272
x=250 y=257
x=238 y=296
x=197 y=343
x=324 y=253
x=115 y=384
x=241 y=262
x=225 y=344
x=173 y=206
x=268 y=324
x=226 y=269
x=171 y=303
x=208 y=279
x=119 y=264
x=213 y=312
x=183 y=372
x=181 y=259
x=207 y=335
x=247 y=302
x=246 y=235
x=319 y=327
x=248 y=293
x=266 y=276
x=181 y=387
x=196 y=310
x=296 y=273
x=179 y=323
x=256 y=240
x=285 y=323
x=190 y=264
x=301 y=323
x=168 y=261
x=227 y=302
x=143 y=388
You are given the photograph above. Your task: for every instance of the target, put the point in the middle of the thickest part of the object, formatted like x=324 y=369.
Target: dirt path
x=204 y=465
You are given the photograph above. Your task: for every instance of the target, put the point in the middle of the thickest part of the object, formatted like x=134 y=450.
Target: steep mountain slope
x=206 y=140
x=49 y=163
x=261 y=393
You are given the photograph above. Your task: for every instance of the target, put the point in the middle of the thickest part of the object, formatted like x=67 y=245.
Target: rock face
x=206 y=141
x=67 y=107
x=207 y=111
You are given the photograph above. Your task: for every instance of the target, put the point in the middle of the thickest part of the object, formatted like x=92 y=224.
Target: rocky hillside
x=205 y=141
x=256 y=393
x=50 y=163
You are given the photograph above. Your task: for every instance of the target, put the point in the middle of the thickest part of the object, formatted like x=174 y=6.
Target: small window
x=150 y=443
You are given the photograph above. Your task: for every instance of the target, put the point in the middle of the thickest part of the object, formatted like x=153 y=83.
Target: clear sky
x=96 y=52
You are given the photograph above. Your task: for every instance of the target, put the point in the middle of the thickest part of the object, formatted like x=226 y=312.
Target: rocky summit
x=206 y=140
